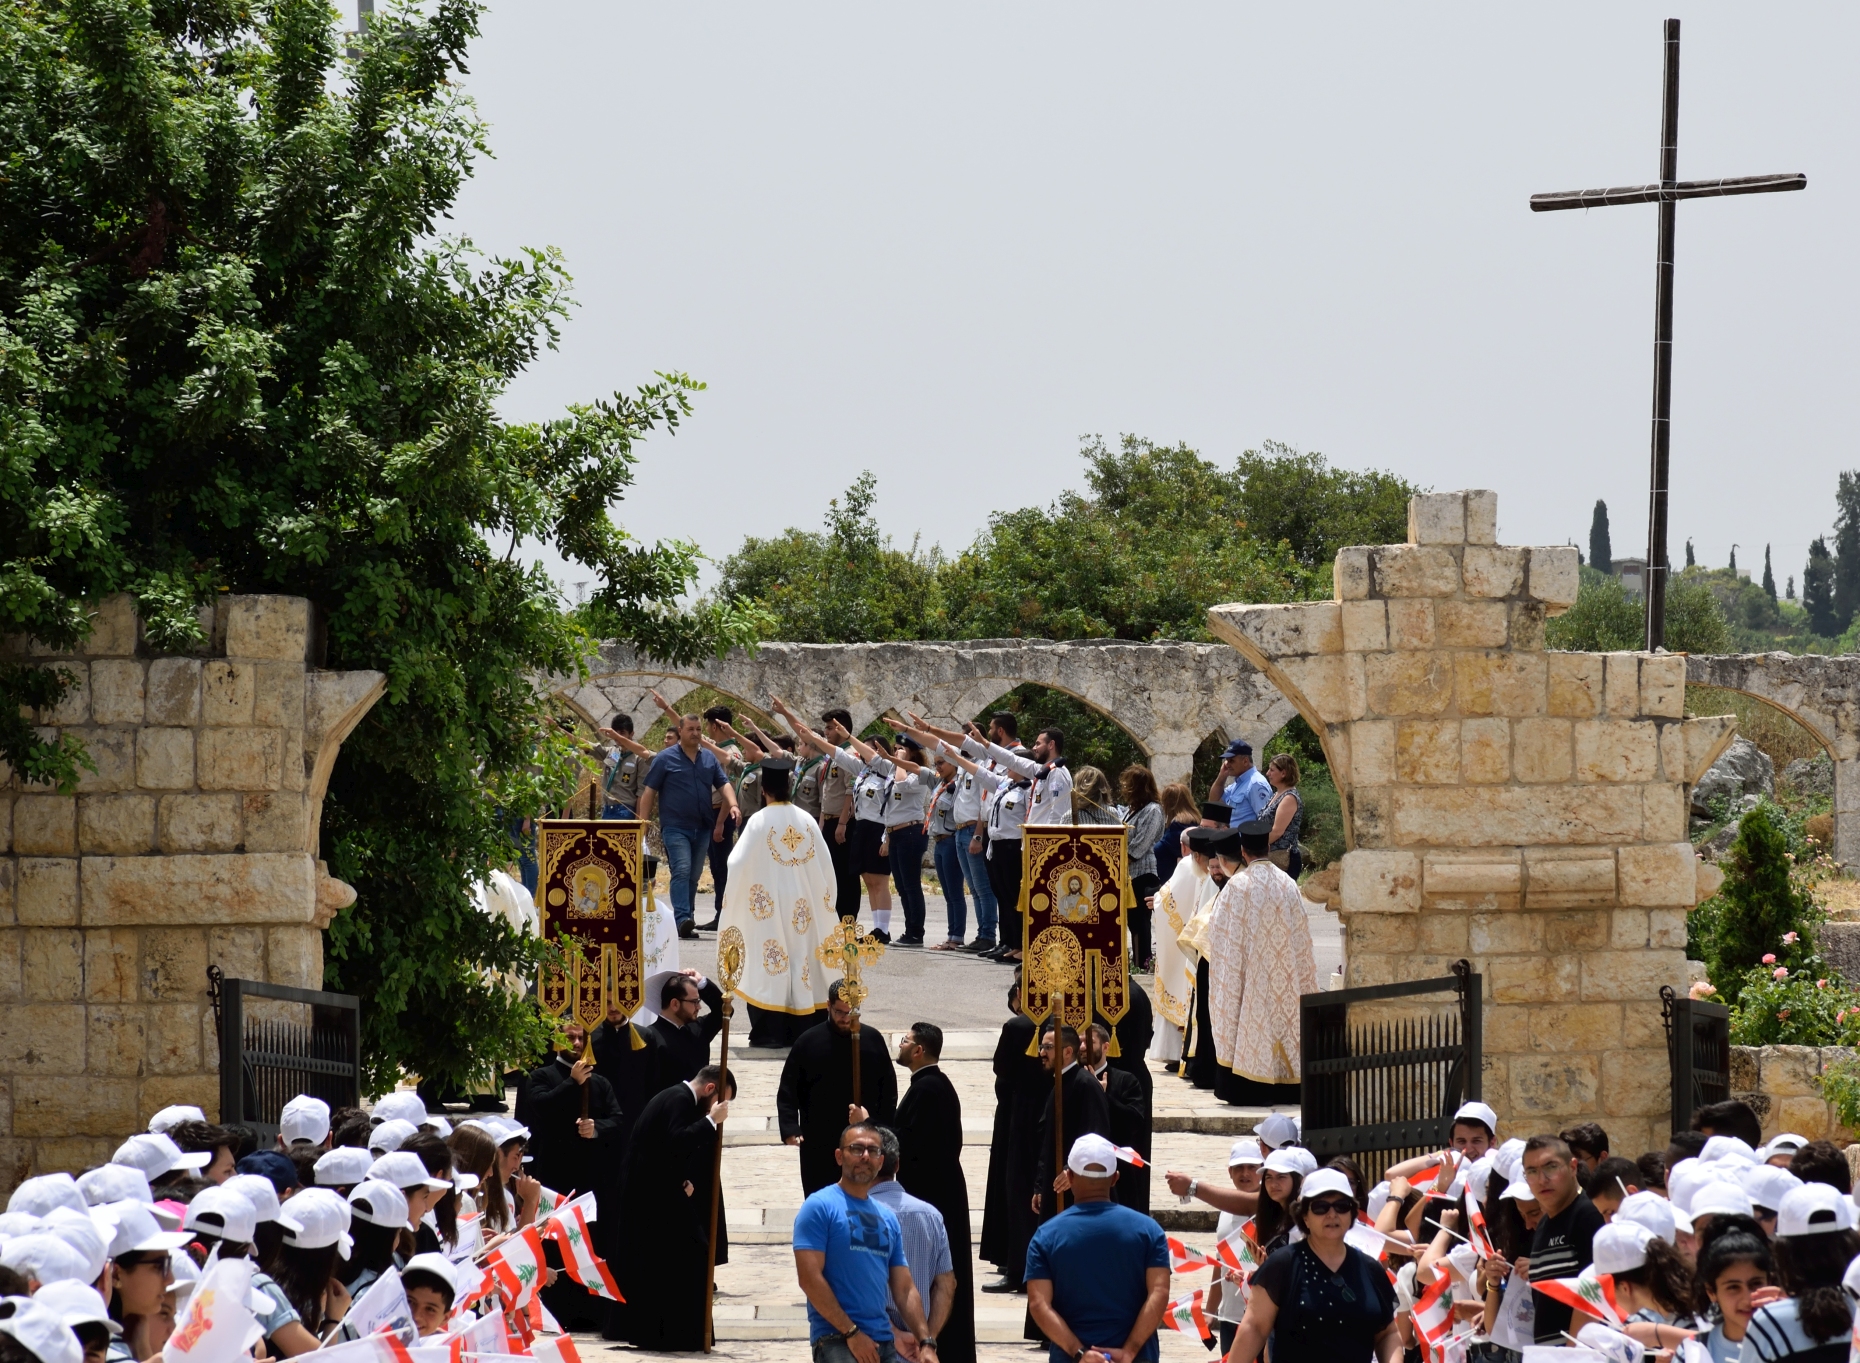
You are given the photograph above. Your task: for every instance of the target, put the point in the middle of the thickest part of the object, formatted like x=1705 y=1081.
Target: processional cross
x=1667 y=193
x=846 y=948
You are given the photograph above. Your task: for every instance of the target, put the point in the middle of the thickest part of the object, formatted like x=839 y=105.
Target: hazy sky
x=942 y=242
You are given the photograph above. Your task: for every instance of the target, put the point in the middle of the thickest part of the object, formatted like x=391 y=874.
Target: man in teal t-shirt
x=849 y=1254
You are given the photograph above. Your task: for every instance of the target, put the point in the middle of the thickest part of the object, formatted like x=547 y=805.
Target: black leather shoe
x=909 y=941
x=687 y=929
x=880 y=935
x=981 y=946
x=1003 y=1286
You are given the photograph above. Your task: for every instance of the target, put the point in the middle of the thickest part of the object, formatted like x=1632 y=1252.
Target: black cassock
x=1134 y=1031
x=816 y=1086
x=1130 y=1125
x=1088 y=1112
x=1022 y=1086
x=632 y=1069
x=929 y=1127
x=569 y=1163
x=687 y=1048
x=1202 y=1065
x=660 y=1264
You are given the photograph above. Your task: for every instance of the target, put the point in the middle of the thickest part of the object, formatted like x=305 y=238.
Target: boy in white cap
x=1244 y=1161
x=304 y=1122
x=432 y=1285
x=1474 y=1131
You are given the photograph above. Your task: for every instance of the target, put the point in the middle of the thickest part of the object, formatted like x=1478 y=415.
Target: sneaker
x=880 y=935
x=981 y=945
x=909 y=940
x=687 y=929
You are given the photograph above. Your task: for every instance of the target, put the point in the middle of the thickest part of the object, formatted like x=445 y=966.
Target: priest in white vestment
x=1260 y=962
x=779 y=902
x=1176 y=903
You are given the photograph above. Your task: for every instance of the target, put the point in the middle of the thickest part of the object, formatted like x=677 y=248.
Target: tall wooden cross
x=1667 y=193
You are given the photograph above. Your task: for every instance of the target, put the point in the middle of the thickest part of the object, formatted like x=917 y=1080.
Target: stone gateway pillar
x=1522 y=808
x=193 y=843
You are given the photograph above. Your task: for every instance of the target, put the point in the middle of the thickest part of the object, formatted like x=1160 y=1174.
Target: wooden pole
x=855 y=1058
x=716 y=1181
x=1663 y=348
x=1059 y=1105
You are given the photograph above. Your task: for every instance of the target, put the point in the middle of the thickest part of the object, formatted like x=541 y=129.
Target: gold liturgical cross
x=852 y=953
x=793 y=838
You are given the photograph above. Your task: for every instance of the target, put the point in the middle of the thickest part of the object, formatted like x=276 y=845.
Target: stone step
x=775 y=1225
x=750 y=1128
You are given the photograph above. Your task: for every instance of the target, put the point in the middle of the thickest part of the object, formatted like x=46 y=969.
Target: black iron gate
x=1385 y=1089
x=265 y=1062
x=1698 y=1047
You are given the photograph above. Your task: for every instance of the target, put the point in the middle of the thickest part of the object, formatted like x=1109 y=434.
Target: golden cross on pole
x=849 y=951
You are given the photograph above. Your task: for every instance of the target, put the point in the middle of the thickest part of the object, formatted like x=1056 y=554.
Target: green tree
x=1818 y=589
x=1769 y=577
x=1694 y=621
x=1296 y=498
x=1602 y=620
x=1758 y=904
x=1846 y=550
x=236 y=353
x=1690 y=561
x=1601 y=552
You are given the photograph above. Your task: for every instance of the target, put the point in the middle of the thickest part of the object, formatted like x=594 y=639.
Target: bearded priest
x=778 y=901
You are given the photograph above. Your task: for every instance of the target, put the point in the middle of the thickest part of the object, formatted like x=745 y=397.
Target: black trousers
x=845 y=869
x=1004 y=878
x=1144 y=886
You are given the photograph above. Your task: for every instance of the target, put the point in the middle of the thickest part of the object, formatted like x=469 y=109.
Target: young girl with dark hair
x=1273 y=1221
x=1734 y=1265
x=1815 y=1242
x=436 y=1155
x=475 y=1153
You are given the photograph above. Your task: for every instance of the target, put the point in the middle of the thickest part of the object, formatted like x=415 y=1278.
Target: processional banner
x=588 y=890
x=1074 y=898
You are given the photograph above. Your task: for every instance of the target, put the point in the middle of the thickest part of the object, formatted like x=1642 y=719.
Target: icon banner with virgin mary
x=1075 y=897
x=588 y=891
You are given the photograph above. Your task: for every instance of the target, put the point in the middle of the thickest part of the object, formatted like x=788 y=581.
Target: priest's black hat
x=1202 y=839
x=1255 y=836
x=781 y=763
x=1225 y=842
x=1217 y=812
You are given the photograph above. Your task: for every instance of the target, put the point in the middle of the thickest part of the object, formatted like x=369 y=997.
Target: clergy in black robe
x=1087 y=1110
x=629 y=1058
x=929 y=1130
x=686 y=1035
x=1130 y=1118
x=816 y=1090
x=575 y=1154
x=1020 y=1087
x=1202 y=1064
x=1134 y=1030
x=665 y=1211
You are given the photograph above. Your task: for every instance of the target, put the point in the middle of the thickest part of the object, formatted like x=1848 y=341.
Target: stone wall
x=192 y=843
x=1783 y=1084
x=1522 y=808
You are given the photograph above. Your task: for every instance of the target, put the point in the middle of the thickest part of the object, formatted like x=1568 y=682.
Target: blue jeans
x=975 y=871
x=907 y=873
x=949 y=873
x=835 y=1351
x=685 y=850
x=613 y=809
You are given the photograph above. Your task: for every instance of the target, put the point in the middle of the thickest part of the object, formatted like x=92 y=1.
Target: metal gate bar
x=264 y=1063
x=1698 y=1049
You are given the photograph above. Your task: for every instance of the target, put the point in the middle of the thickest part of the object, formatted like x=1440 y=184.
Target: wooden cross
x=1667 y=193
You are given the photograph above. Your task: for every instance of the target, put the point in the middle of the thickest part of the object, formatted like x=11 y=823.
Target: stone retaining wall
x=192 y=843
x=1781 y=1083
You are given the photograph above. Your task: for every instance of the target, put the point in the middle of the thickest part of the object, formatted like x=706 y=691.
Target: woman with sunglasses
x=1320 y=1297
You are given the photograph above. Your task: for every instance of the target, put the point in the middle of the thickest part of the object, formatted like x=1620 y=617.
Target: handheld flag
x=1433 y=1314
x=1589 y=1292
x=555 y=1349
x=568 y=1227
x=516 y=1267
x=1185 y=1314
x=1182 y=1259
x=1129 y=1155
x=217 y=1324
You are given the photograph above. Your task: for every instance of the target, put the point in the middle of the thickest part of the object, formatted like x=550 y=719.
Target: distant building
x=1631 y=573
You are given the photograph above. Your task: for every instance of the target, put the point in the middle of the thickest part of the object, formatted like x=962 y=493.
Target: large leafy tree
x=237 y=353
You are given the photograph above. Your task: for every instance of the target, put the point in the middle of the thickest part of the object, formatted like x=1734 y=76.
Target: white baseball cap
x=439 y=1126
x=137 y=1231
x=81 y=1231
x=304 y=1121
x=154 y=1154
x=378 y=1203
x=44 y=1258
x=1785 y=1144
x=1719 y=1198
x=1245 y=1151
x=324 y=1217
x=1767 y=1184
x=262 y=1193
x=39 y=1195
x=76 y=1304
x=391 y=1135
x=1519 y=1192
x=172 y=1116
x=1276 y=1128
x=342 y=1166
x=1477 y=1111
x=1507 y=1159
x=40 y=1330
x=1814 y=1209
x=446 y=1271
x=1327 y=1181
x=224 y=1213
x=1656 y=1214
x=114 y=1183
x=402 y=1105
x=1727 y=1148
x=1620 y=1246
x=1291 y=1159
x=404 y=1170
x=1686 y=1178
x=1091 y=1157
x=184 y=1271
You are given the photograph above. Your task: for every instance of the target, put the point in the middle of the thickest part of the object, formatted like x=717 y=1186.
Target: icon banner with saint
x=1075 y=898
x=588 y=890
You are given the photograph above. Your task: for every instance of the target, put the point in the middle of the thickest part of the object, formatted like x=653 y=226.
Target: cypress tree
x=1769 y=578
x=1601 y=554
x=1733 y=558
x=1818 y=589
x=1846 y=550
x=1690 y=561
x=1789 y=593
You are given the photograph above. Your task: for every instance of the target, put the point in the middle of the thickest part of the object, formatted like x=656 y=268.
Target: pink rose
x=1783 y=1016
x=1821 y=984
x=1781 y=972
x=1791 y=938
x=1770 y=959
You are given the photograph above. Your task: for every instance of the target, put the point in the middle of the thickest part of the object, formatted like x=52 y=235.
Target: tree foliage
x=1760 y=903
x=1601 y=551
x=1604 y=619
x=237 y=354
x=1818 y=589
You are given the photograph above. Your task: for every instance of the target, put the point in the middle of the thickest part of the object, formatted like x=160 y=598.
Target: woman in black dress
x=1319 y=1297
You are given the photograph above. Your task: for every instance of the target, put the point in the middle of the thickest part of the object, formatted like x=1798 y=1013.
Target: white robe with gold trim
x=1259 y=961
x=1176 y=903
x=780 y=900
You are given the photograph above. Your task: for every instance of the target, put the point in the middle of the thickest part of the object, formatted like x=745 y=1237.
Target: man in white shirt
x=1046 y=769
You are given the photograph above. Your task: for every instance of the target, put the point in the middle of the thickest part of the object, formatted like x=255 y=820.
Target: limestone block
x=1631 y=974
x=1811 y=1117
x=174 y=963
x=1577 y=930
x=1663 y=684
x=1711 y=880
x=275 y=627
x=1411 y=624
x=113 y=753
x=1381 y=882
x=295 y=956
x=200 y=823
x=120 y=825
x=1485 y=751
x=278 y=695
x=1365 y=626
x=1642 y=1025
x=1636 y=1083
x=6 y=830
x=45 y=825
x=1494 y=683
x=276 y=823
x=1621 y=697
x=1564 y=1085
x=1575 y=1027
x=1666 y=928
x=1706 y=737
x=1350 y=574
x=1471 y=624
x=199 y=1090
x=239 y=951
x=12 y=986
x=62 y=1107
x=117 y=1044
x=1409 y=683
x=174 y=1038
x=1659 y=875
x=241 y=759
x=1667 y=811
x=1558 y=879
x=1627 y=929
x=1507 y=1029
x=1372 y=815
x=1790 y=1071
x=1576 y=681
x=165 y=759
x=1617 y=750
x=1481 y=516
x=1501 y=933
x=1514 y=816
x=1492 y=572
x=1415 y=570
x=1541 y=751
x=1530 y=979
x=43 y=1038
x=1427 y=752
x=259 y=887
x=1673 y=752
x=226 y=692
x=1372 y=751
x=1437 y=518
x=1554 y=576
x=1332 y=683
x=291 y=773
x=113 y=627
x=1284 y=631
x=111 y=964
x=1444 y=934
x=9 y=880
x=1527 y=625
x=48 y=891
x=1467 y=876
x=74 y=705
x=116 y=691
x=174 y=691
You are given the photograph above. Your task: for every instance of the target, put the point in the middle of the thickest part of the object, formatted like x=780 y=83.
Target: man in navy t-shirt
x=849 y=1254
x=678 y=787
x=1098 y=1273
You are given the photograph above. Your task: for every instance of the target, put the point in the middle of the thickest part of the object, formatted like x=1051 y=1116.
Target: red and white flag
x=568 y=1227
x=1240 y=1250
x=1433 y=1315
x=554 y=1349
x=1128 y=1154
x=485 y=1335
x=1182 y=1259
x=1185 y=1314
x=1589 y=1292
x=516 y=1267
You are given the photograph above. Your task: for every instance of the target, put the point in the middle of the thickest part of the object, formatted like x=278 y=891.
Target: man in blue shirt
x=1240 y=786
x=679 y=787
x=1098 y=1273
x=849 y=1256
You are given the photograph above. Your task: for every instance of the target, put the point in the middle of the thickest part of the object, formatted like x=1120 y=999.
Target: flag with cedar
x=1185 y=1314
x=567 y=1225
x=1589 y=1292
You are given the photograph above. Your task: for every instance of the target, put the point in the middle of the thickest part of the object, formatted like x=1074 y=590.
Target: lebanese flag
x=516 y=1267
x=1185 y=1314
x=1591 y=1293
x=1433 y=1315
x=1182 y=1259
x=1128 y=1154
x=380 y=1347
x=1479 y=1237
x=1239 y=1251
x=568 y=1227
x=554 y=1349
x=485 y=1335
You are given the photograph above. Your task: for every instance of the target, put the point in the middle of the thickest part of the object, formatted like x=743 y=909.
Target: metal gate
x=1383 y=1089
x=267 y=1061
x=1698 y=1047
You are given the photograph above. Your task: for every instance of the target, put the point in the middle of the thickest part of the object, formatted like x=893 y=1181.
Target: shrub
x=1765 y=900
x=1778 y=1006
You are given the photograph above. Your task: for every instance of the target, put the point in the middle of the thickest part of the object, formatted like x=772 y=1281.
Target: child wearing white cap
x=432 y=1283
x=1245 y=1161
x=1815 y=1243
x=1652 y=1287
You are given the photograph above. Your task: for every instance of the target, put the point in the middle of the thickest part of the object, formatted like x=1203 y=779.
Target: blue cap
x=1238 y=748
x=272 y=1165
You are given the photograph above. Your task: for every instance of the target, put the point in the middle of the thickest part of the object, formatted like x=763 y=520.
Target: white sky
x=941 y=242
